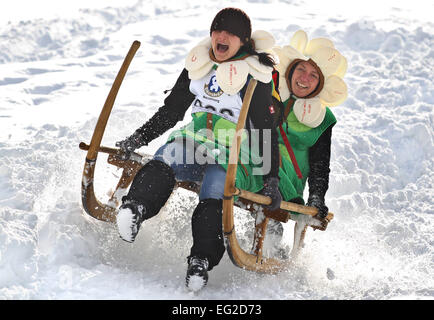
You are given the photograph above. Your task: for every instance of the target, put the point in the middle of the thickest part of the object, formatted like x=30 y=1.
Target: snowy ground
x=57 y=63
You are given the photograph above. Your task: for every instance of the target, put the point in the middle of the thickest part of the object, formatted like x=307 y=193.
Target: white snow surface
x=57 y=64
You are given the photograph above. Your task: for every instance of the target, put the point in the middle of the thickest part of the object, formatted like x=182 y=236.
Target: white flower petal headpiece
x=332 y=65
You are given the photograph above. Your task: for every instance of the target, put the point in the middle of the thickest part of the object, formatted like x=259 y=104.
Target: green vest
x=301 y=138
x=212 y=133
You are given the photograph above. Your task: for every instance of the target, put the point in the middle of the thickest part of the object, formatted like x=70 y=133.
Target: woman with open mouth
x=213 y=83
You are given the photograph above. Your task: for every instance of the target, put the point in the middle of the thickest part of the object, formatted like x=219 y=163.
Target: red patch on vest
x=271 y=109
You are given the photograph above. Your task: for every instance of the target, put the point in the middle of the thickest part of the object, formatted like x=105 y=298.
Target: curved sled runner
x=253 y=261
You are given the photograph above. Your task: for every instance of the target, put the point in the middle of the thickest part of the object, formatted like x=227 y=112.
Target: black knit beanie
x=235 y=21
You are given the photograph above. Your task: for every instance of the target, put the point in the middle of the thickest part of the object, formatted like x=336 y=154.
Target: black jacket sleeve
x=319 y=163
x=264 y=115
x=173 y=110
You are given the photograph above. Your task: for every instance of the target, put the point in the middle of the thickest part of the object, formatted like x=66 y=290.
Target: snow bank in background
x=55 y=72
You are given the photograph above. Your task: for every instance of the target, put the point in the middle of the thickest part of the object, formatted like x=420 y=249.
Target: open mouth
x=222 y=48
x=301 y=85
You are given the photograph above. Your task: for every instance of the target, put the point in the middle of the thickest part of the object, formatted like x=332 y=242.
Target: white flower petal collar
x=231 y=75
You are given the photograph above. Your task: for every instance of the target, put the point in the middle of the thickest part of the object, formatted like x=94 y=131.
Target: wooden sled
x=253 y=261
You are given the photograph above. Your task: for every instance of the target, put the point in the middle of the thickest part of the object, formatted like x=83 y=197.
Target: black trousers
x=207 y=230
x=152 y=187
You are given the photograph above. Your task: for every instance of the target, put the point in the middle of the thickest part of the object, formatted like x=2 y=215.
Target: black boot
x=151 y=187
x=129 y=219
x=197 y=273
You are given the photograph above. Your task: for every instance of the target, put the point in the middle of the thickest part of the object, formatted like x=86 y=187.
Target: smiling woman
x=305 y=79
x=311 y=75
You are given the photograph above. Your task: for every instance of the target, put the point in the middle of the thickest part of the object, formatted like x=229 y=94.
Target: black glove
x=130 y=144
x=318 y=202
x=271 y=189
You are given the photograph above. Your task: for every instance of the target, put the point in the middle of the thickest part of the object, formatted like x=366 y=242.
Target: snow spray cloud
x=206 y=146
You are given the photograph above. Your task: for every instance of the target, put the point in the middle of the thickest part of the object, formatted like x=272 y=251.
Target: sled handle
x=238 y=256
x=228 y=201
x=108 y=105
x=91 y=204
x=289 y=206
x=112 y=151
x=86 y=147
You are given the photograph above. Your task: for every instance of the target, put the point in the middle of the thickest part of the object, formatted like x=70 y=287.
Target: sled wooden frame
x=253 y=261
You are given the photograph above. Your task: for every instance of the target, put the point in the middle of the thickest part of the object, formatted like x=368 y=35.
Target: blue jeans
x=209 y=174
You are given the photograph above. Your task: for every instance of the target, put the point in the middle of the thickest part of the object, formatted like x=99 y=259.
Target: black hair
x=264 y=58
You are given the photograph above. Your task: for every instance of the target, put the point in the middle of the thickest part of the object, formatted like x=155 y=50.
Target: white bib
x=211 y=98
